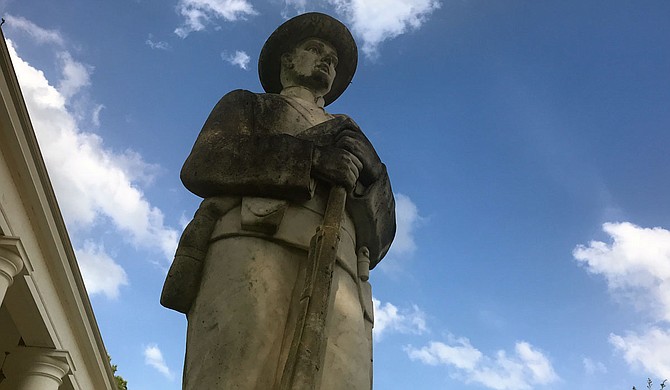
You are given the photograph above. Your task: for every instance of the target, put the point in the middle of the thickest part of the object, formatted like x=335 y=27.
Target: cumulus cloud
x=154 y=357
x=39 y=34
x=376 y=21
x=199 y=13
x=102 y=275
x=524 y=369
x=90 y=180
x=159 y=45
x=636 y=266
x=239 y=58
x=647 y=350
x=388 y=318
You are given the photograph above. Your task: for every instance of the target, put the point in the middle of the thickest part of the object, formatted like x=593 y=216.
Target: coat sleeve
x=232 y=156
x=371 y=206
x=373 y=214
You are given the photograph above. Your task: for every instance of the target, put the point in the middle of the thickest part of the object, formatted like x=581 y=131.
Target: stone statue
x=264 y=164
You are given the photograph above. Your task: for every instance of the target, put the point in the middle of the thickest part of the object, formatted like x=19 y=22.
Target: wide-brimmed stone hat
x=296 y=30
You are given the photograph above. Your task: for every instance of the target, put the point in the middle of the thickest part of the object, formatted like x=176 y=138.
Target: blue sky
x=527 y=144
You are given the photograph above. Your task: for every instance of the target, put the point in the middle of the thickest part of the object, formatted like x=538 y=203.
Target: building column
x=10 y=263
x=31 y=368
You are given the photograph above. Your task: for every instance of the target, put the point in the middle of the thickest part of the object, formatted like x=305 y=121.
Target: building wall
x=46 y=319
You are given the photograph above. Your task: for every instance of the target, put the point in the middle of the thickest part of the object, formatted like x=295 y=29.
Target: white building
x=49 y=338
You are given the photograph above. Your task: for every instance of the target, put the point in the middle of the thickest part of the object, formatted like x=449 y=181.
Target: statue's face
x=312 y=65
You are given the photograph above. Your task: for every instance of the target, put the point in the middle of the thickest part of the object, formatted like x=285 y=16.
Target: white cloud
x=461 y=354
x=407 y=218
x=154 y=357
x=298 y=5
x=389 y=318
x=95 y=115
x=524 y=369
x=534 y=361
x=648 y=350
x=89 y=179
x=75 y=76
x=592 y=368
x=376 y=21
x=102 y=275
x=239 y=58
x=373 y=21
x=636 y=266
x=404 y=245
x=199 y=13
x=39 y=34
x=160 y=45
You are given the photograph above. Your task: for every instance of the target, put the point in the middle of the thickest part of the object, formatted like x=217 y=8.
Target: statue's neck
x=303 y=93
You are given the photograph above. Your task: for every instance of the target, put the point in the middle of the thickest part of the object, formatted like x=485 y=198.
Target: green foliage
x=121 y=384
x=650 y=383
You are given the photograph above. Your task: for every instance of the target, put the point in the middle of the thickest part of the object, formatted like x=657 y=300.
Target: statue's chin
x=318 y=82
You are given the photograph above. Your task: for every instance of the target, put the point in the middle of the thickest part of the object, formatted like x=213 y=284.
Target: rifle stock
x=304 y=365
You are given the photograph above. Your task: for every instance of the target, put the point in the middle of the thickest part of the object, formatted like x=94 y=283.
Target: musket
x=304 y=365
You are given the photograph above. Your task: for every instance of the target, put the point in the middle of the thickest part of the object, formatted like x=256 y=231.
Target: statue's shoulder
x=238 y=96
x=235 y=104
x=245 y=97
x=342 y=116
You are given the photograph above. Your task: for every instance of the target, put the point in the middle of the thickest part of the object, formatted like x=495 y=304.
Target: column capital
x=11 y=259
x=35 y=368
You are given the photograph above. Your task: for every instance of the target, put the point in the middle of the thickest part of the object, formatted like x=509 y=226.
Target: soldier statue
x=265 y=165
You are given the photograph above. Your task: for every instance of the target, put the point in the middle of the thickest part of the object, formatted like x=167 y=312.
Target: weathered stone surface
x=265 y=164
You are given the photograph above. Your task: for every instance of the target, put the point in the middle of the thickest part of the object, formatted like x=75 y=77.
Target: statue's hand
x=336 y=166
x=357 y=144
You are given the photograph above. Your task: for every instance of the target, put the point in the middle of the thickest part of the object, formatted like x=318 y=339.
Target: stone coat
x=252 y=164
x=255 y=145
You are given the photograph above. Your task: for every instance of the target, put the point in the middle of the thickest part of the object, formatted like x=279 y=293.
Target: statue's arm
x=371 y=203
x=372 y=209
x=232 y=156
